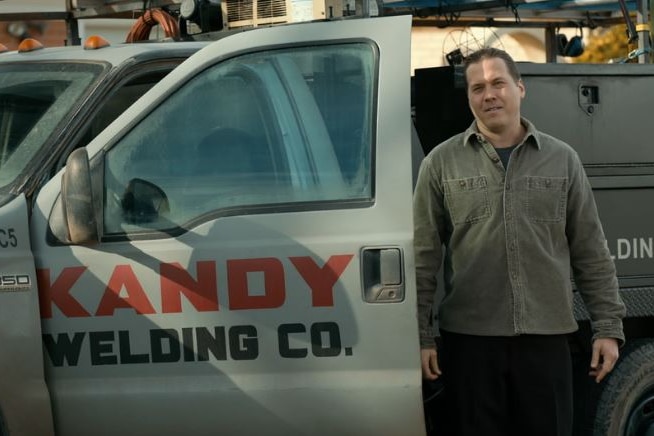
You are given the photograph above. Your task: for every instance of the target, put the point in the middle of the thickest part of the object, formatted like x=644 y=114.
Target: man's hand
x=430 y=369
x=605 y=354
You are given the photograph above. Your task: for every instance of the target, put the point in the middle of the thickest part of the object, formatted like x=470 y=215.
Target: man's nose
x=489 y=93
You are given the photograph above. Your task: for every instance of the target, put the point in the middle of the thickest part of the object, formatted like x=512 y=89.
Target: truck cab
x=52 y=101
x=233 y=253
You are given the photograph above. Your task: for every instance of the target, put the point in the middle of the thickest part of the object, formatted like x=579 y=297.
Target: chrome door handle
x=383 y=275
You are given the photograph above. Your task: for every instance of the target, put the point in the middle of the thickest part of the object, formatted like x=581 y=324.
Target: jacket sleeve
x=428 y=210
x=592 y=266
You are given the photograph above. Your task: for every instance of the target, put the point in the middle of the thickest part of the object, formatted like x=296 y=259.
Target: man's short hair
x=487 y=53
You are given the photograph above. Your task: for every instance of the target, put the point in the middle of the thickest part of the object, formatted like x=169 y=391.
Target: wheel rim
x=641 y=417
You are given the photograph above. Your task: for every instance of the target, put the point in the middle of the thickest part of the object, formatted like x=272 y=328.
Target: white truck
x=233 y=253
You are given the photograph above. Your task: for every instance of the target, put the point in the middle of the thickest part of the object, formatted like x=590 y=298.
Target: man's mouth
x=492 y=109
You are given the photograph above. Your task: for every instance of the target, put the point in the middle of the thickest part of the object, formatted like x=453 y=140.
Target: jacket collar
x=472 y=135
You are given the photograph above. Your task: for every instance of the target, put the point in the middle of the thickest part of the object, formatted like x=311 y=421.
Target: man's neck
x=505 y=138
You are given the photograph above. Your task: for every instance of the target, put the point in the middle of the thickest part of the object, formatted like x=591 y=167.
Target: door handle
x=383 y=275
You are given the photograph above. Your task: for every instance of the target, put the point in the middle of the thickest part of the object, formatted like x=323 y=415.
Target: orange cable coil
x=140 y=31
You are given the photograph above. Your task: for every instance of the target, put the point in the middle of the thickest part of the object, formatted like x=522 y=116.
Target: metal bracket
x=588 y=98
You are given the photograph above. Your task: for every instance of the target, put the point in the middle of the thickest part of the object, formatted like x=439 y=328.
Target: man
x=515 y=213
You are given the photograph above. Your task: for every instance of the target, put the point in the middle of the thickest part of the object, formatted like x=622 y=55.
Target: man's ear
x=523 y=90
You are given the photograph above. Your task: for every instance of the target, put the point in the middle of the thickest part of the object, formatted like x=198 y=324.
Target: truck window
x=34 y=99
x=288 y=127
x=120 y=99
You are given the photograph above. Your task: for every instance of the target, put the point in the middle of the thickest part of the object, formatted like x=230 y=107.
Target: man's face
x=493 y=95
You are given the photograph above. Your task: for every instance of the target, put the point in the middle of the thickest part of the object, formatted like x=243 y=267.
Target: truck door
x=242 y=263
x=24 y=404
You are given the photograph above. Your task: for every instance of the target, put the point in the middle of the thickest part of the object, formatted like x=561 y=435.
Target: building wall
x=49 y=33
x=52 y=33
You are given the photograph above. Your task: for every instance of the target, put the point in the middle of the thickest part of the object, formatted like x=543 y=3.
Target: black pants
x=506 y=386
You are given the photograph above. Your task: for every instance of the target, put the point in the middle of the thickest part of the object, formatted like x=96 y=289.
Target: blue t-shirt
x=505 y=154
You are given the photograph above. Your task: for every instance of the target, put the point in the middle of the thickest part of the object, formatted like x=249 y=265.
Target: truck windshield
x=36 y=100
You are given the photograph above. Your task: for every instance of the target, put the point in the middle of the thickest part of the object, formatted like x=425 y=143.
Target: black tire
x=626 y=403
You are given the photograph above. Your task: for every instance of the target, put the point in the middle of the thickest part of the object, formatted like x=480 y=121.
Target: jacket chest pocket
x=546 y=198
x=467 y=199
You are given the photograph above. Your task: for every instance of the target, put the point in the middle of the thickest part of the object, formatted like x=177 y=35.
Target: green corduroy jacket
x=510 y=241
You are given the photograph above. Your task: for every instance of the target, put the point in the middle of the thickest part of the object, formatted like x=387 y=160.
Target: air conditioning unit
x=252 y=13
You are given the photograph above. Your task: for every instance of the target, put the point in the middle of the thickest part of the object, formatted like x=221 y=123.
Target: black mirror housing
x=77 y=199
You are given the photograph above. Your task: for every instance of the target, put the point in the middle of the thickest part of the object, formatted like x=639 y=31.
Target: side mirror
x=143 y=202
x=77 y=199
